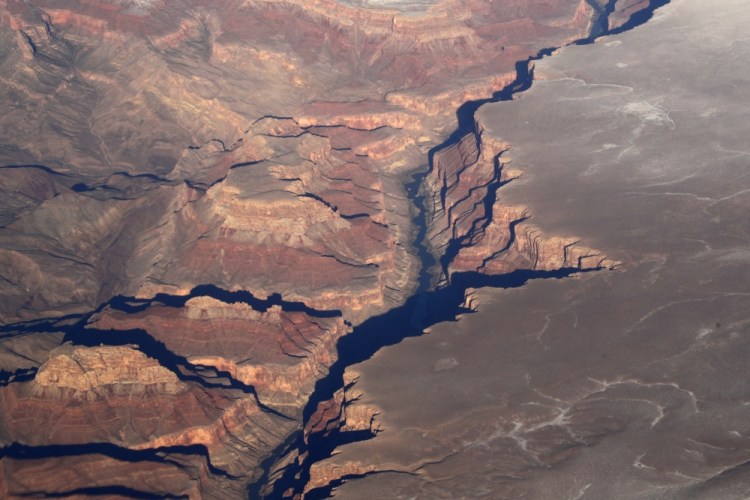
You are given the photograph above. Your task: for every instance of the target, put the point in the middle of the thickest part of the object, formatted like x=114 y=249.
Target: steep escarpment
x=473 y=230
x=279 y=353
x=125 y=120
x=553 y=386
x=80 y=404
x=482 y=242
x=202 y=202
x=281 y=194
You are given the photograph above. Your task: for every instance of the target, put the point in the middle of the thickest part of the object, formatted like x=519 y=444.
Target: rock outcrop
x=110 y=404
x=473 y=230
x=82 y=372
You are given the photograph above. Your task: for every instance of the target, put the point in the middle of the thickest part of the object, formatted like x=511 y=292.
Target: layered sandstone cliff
x=475 y=233
x=279 y=353
x=113 y=404
x=473 y=230
x=147 y=159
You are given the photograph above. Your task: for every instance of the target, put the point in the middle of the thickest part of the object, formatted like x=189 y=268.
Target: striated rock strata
x=474 y=230
x=109 y=404
x=279 y=353
x=614 y=385
x=475 y=233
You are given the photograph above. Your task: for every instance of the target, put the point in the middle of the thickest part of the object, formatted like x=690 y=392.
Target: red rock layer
x=128 y=87
x=71 y=476
x=117 y=395
x=624 y=9
x=344 y=413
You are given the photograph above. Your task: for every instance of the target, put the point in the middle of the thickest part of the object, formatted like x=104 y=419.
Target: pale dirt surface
x=616 y=384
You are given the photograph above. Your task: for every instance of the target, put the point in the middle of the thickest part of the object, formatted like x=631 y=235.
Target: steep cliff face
x=555 y=385
x=475 y=234
x=94 y=473
x=344 y=415
x=256 y=147
x=82 y=371
x=472 y=230
x=250 y=216
x=472 y=233
x=624 y=10
x=148 y=159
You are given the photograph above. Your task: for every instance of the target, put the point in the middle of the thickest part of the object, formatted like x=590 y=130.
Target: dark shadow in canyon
x=20 y=375
x=132 y=305
x=161 y=455
x=103 y=491
x=426 y=307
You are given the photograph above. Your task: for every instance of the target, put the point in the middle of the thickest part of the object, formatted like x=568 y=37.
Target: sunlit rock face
x=199 y=199
x=113 y=404
x=474 y=229
x=401 y=5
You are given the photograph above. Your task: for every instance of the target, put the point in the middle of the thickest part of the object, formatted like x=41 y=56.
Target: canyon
x=211 y=210
x=627 y=384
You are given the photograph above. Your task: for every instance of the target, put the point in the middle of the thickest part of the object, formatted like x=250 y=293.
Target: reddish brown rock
x=76 y=475
x=73 y=392
x=476 y=232
x=87 y=395
x=281 y=354
x=80 y=372
x=344 y=413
